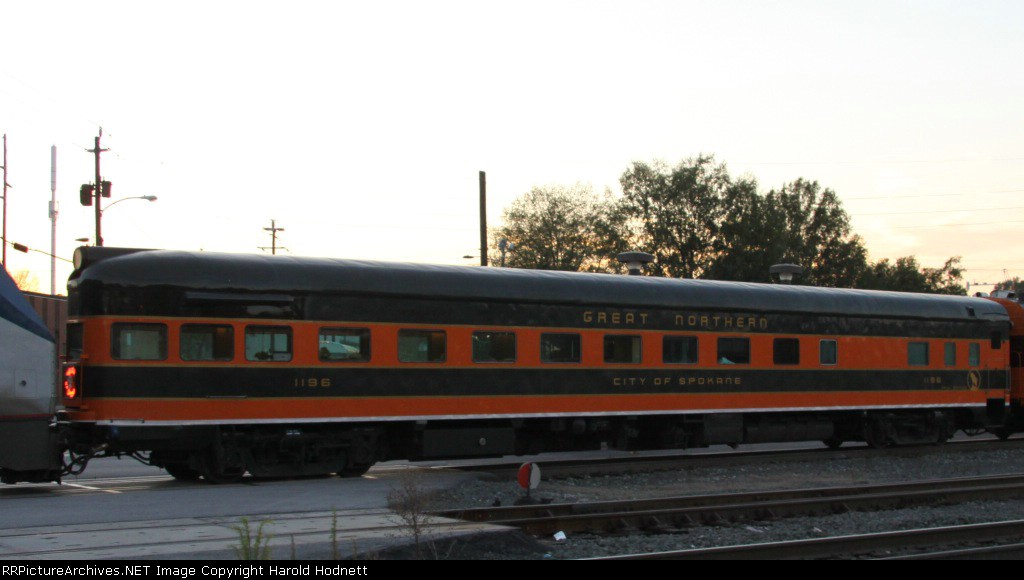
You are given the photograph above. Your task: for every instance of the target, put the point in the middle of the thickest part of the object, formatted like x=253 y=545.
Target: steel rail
x=663 y=514
x=646 y=462
x=856 y=546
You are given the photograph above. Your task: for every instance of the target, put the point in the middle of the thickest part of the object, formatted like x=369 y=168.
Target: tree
x=678 y=213
x=561 y=228
x=26 y=281
x=906 y=275
x=946 y=280
x=1015 y=285
x=903 y=275
x=747 y=234
x=699 y=222
x=801 y=223
x=817 y=234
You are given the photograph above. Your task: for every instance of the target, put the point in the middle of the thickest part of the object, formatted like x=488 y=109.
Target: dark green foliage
x=560 y=228
x=906 y=275
x=699 y=222
x=678 y=213
x=1013 y=285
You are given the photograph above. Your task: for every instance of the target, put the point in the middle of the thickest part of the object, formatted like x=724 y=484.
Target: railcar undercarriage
x=221 y=454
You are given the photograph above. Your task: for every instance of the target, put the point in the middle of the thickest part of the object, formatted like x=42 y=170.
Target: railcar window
x=828 y=352
x=207 y=342
x=268 y=343
x=76 y=341
x=422 y=346
x=622 y=349
x=494 y=347
x=560 y=348
x=974 y=354
x=734 y=351
x=344 y=344
x=786 y=351
x=950 y=354
x=917 y=354
x=997 y=340
x=679 y=350
x=1016 y=351
x=139 y=341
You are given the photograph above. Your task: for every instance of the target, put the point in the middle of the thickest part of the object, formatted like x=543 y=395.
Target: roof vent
x=635 y=261
x=786 y=272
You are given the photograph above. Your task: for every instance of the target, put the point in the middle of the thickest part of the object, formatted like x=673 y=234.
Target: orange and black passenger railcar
x=217 y=363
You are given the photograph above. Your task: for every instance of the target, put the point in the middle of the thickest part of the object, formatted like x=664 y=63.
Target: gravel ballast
x=846 y=470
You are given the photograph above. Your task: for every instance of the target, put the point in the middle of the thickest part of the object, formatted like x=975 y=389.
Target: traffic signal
x=106 y=189
x=85 y=194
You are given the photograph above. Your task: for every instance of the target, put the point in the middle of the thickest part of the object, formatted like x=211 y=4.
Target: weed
x=409 y=502
x=252 y=546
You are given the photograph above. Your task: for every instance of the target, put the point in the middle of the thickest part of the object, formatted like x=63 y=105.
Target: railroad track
x=664 y=515
x=998 y=540
x=648 y=462
x=357 y=533
x=553 y=469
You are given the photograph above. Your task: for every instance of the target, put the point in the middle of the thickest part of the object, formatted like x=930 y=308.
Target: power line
x=881 y=161
x=25 y=249
x=225 y=218
x=855 y=198
x=47 y=112
x=961 y=210
x=958 y=225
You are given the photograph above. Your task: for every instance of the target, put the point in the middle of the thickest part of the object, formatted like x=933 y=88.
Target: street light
x=99 y=213
x=145 y=197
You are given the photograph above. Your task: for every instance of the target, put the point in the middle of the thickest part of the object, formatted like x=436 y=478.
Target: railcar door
x=1016 y=372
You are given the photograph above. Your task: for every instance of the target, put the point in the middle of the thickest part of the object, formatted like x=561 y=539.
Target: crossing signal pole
x=93 y=192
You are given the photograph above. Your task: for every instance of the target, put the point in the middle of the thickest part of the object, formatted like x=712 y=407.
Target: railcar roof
x=210 y=271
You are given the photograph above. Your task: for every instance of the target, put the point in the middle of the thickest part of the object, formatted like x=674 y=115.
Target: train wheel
x=876 y=433
x=1002 y=433
x=361 y=456
x=833 y=443
x=182 y=472
x=214 y=470
x=355 y=470
x=222 y=476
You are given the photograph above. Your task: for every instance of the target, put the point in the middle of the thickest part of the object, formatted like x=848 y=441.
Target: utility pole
x=273 y=229
x=102 y=189
x=483 y=218
x=6 y=185
x=53 y=220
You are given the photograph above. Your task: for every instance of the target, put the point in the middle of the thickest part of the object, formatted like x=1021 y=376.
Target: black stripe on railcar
x=267 y=382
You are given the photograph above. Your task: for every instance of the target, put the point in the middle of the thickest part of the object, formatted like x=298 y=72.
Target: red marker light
x=71 y=382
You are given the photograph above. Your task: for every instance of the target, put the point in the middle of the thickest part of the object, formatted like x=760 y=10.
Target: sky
x=360 y=127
